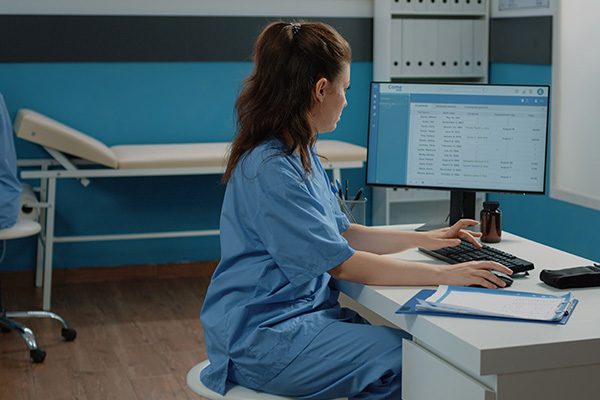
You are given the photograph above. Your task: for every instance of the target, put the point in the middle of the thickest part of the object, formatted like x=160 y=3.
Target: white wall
x=305 y=8
x=575 y=175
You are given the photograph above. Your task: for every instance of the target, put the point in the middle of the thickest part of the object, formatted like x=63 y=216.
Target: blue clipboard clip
x=566 y=307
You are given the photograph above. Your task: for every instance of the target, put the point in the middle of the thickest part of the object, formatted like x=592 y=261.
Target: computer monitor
x=465 y=138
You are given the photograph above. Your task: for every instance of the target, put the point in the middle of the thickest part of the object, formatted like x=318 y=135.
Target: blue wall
x=553 y=222
x=135 y=103
x=129 y=103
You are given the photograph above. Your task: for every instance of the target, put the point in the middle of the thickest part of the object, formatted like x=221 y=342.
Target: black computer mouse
x=507 y=279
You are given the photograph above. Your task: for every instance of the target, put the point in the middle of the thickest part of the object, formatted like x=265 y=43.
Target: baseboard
x=115 y=273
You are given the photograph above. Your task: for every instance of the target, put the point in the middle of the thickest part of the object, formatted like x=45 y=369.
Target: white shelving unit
x=430 y=39
x=412 y=206
x=426 y=41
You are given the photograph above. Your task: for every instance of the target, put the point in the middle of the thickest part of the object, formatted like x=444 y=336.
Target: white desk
x=462 y=358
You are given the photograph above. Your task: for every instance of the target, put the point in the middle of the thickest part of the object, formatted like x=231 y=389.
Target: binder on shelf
x=420 y=46
x=420 y=6
x=466 y=45
x=448 y=48
x=478 y=6
x=501 y=304
x=403 y=6
x=407 y=41
x=398 y=50
x=443 y=7
x=454 y=40
x=456 y=7
x=430 y=28
x=479 y=47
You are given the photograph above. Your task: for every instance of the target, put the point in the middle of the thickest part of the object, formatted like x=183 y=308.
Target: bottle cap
x=491 y=205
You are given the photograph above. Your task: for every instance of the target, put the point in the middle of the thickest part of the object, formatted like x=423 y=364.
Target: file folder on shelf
x=459 y=301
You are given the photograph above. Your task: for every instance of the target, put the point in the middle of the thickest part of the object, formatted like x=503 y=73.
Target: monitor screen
x=467 y=137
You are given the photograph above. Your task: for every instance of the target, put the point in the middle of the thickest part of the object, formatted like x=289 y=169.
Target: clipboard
x=410 y=307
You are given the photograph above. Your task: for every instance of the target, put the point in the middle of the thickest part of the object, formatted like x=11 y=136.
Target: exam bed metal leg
x=49 y=244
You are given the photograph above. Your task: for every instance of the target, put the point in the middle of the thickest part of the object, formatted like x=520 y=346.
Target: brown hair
x=277 y=97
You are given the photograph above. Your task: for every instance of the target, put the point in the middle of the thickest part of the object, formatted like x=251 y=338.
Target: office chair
x=13 y=227
x=24 y=228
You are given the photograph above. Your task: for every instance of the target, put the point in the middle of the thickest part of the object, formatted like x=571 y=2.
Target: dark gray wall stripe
x=52 y=38
x=521 y=40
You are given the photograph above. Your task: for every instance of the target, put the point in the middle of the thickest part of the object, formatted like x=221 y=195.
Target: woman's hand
x=449 y=237
x=474 y=273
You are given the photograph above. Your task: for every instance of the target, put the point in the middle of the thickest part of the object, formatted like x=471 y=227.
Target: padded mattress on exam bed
x=38 y=128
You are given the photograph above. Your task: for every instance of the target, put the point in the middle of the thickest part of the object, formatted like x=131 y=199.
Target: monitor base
x=433 y=226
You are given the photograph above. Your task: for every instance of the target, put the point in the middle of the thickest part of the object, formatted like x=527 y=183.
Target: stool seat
x=234 y=392
x=22 y=228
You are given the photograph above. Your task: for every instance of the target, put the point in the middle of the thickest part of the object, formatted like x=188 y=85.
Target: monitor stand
x=462 y=205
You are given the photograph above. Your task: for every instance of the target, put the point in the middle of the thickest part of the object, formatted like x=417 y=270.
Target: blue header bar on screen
x=479 y=99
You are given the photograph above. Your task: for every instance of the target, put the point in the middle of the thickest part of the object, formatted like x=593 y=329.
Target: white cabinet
x=426 y=41
x=413 y=206
x=420 y=368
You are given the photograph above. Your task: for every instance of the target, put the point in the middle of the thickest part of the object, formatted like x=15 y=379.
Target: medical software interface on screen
x=479 y=137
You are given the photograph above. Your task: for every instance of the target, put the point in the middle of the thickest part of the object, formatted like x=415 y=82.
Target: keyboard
x=466 y=251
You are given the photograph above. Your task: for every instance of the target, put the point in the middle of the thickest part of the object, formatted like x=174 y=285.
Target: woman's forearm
x=373 y=269
x=381 y=241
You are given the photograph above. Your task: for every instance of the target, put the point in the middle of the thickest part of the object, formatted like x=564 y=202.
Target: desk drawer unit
x=426 y=376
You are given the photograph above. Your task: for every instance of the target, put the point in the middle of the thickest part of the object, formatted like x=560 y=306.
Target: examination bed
x=71 y=150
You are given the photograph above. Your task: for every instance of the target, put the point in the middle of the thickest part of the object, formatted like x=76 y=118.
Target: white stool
x=24 y=228
x=234 y=393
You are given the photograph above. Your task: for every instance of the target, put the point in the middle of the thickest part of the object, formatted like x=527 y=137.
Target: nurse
x=271 y=321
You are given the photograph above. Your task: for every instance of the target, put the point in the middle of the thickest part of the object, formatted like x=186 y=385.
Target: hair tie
x=295 y=27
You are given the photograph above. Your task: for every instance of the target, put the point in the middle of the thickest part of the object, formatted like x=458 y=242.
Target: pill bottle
x=491 y=222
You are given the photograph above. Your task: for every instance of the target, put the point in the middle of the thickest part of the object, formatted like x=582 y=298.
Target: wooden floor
x=136 y=339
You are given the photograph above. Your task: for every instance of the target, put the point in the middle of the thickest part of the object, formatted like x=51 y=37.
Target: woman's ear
x=319 y=89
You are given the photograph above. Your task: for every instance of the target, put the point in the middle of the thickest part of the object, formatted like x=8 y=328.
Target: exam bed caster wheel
x=69 y=334
x=37 y=355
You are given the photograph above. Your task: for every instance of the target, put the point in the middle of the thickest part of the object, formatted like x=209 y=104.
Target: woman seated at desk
x=271 y=321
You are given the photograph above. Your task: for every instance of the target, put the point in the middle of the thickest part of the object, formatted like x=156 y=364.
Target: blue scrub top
x=269 y=296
